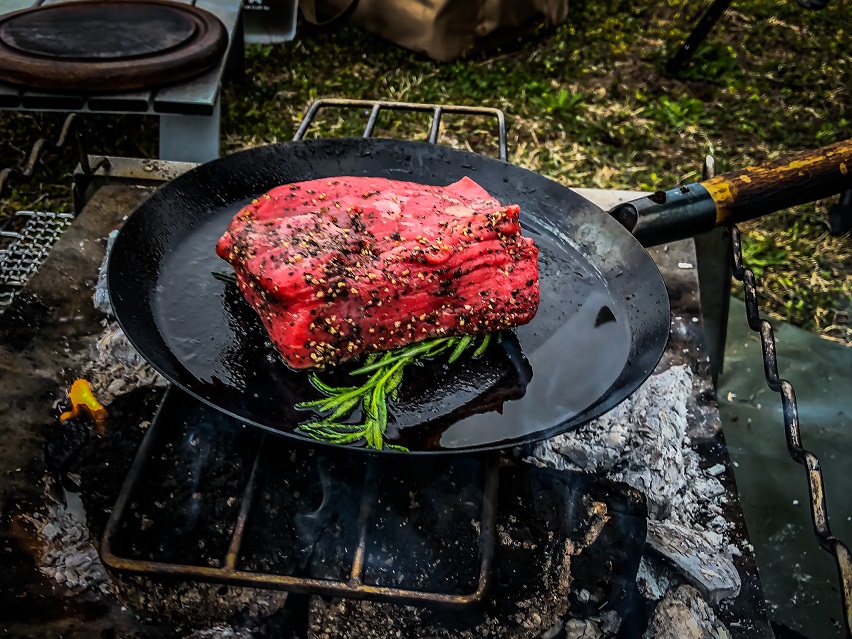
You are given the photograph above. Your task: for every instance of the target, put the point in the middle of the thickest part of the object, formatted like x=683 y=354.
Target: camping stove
x=182 y=522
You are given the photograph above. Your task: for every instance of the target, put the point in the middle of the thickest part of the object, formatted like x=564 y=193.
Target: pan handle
x=692 y=209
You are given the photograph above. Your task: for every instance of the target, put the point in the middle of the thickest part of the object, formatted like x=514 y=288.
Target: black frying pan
x=601 y=327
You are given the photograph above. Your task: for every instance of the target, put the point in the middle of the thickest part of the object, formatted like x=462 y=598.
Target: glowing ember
x=83 y=401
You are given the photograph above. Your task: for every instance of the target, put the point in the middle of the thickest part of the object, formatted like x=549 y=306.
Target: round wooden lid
x=86 y=46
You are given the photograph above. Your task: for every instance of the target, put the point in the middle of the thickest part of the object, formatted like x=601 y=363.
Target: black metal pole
x=699 y=33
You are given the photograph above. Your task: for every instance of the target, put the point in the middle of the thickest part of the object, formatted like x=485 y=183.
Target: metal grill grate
x=25 y=241
x=355 y=585
x=436 y=110
x=177 y=411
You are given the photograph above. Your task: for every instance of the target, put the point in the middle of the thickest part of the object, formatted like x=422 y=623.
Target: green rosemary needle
x=385 y=378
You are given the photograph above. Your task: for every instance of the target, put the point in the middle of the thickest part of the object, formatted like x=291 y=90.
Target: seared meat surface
x=338 y=268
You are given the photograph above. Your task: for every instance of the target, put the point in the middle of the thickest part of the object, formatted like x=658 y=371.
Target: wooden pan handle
x=758 y=190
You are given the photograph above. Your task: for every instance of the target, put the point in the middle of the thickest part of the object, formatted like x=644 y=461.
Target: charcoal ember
x=304 y=521
x=697 y=557
x=561 y=554
x=365 y=620
x=197 y=604
x=186 y=500
x=352 y=265
x=683 y=614
x=97 y=466
x=63 y=445
x=439 y=513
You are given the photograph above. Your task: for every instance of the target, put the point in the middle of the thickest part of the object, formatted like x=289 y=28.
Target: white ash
x=221 y=632
x=710 y=571
x=101 y=296
x=683 y=614
x=68 y=555
x=118 y=367
x=654 y=579
x=598 y=627
x=643 y=442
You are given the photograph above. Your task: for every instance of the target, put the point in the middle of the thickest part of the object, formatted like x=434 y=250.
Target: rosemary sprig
x=385 y=377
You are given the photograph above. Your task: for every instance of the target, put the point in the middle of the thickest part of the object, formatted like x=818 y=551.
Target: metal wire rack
x=237 y=569
x=25 y=241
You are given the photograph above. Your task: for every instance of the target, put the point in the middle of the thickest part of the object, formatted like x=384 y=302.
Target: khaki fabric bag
x=442 y=29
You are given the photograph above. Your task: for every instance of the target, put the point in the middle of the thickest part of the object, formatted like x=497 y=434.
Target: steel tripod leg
x=840 y=215
x=699 y=33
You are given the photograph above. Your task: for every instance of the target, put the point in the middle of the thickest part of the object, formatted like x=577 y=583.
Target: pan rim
x=598 y=407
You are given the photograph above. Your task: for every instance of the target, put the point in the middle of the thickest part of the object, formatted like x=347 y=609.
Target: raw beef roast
x=337 y=268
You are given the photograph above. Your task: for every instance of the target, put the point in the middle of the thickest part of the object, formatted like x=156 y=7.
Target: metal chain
x=819 y=510
x=73 y=125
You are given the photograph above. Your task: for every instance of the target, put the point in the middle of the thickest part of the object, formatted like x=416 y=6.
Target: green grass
x=588 y=104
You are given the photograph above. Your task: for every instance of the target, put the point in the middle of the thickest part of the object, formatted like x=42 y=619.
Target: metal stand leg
x=714 y=282
x=840 y=215
x=813 y=5
x=190 y=138
x=699 y=33
x=235 y=66
x=713 y=251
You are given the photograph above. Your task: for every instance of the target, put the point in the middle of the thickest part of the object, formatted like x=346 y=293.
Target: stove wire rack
x=29 y=241
x=25 y=240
